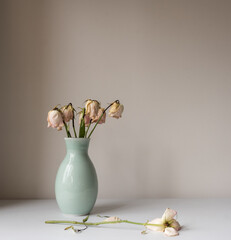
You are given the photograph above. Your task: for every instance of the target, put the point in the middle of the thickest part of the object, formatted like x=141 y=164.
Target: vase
x=76 y=185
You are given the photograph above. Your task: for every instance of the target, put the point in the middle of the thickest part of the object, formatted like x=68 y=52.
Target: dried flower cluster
x=91 y=114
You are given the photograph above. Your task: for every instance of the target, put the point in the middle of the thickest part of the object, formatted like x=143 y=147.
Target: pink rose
x=55 y=119
x=87 y=119
x=103 y=119
x=68 y=112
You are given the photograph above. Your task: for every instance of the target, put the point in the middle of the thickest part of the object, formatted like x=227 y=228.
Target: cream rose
x=92 y=107
x=116 y=110
x=167 y=223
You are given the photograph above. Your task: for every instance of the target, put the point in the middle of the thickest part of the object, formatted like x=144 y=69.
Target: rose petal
x=168 y=215
x=158 y=221
x=170 y=232
x=174 y=224
x=112 y=219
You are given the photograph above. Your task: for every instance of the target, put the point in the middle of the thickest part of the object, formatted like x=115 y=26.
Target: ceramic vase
x=76 y=185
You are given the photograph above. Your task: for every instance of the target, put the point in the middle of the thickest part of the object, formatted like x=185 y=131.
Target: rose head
x=68 y=112
x=166 y=224
x=87 y=119
x=103 y=118
x=55 y=119
x=92 y=108
x=116 y=110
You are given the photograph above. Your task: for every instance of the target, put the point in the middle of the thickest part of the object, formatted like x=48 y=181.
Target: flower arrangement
x=89 y=116
x=166 y=224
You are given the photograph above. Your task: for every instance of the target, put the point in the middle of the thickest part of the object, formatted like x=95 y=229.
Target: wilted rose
x=92 y=108
x=55 y=119
x=68 y=112
x=103 y=118
x=116 y=110
x=166 y=224
x=87 y=119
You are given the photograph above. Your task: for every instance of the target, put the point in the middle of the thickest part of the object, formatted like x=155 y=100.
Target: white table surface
x=205 y=219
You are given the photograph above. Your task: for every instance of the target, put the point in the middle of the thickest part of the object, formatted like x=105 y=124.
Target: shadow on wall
x=23 y=49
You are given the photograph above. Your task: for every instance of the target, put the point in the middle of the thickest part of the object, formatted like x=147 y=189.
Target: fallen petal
x=112 y=219
x=174 y=224
x=170 y=232
x=168 y=215
x=157 y=221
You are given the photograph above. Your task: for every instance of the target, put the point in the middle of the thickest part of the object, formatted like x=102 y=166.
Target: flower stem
x=100 y=118
x=68 y=133
x=73 y=125
x=88 y=128
x=100 y=223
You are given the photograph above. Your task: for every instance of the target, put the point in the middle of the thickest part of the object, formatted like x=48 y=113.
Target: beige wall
x=167 y=61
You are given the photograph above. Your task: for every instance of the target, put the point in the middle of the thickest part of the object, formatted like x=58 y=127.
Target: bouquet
x=89 y=117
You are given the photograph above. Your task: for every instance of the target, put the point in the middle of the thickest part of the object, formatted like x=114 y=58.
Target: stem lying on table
x=99 y=223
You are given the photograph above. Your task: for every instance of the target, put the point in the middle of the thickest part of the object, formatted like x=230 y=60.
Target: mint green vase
x=76 y=185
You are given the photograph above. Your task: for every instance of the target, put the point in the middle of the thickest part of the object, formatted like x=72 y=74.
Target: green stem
x=100 y=118
x=100 y=223
x=68 y=133
x=73 y=125
x=88 y=129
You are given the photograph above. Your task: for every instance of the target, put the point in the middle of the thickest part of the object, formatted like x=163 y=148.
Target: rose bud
x=68 y=112
x=55 y=119
x=103 y=119
x=92 y=108
x=87 y=119
x=116 y=110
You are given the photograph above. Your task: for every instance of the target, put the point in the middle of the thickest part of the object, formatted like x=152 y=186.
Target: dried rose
x=167 y=223
x=68 y=112
x=116 y=110
x=55 y=119
x=103 y=118
x=87 y=119
x=92 y=108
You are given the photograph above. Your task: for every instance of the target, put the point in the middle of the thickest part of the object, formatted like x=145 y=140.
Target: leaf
x=82 y=125
x=144 y=232
x=68 y=227
x=71 y=227
x=85 y=219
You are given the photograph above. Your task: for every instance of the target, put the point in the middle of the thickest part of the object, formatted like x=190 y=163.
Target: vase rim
x=78 y=139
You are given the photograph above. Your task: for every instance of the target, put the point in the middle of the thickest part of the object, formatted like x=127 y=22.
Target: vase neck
x=76 y=145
